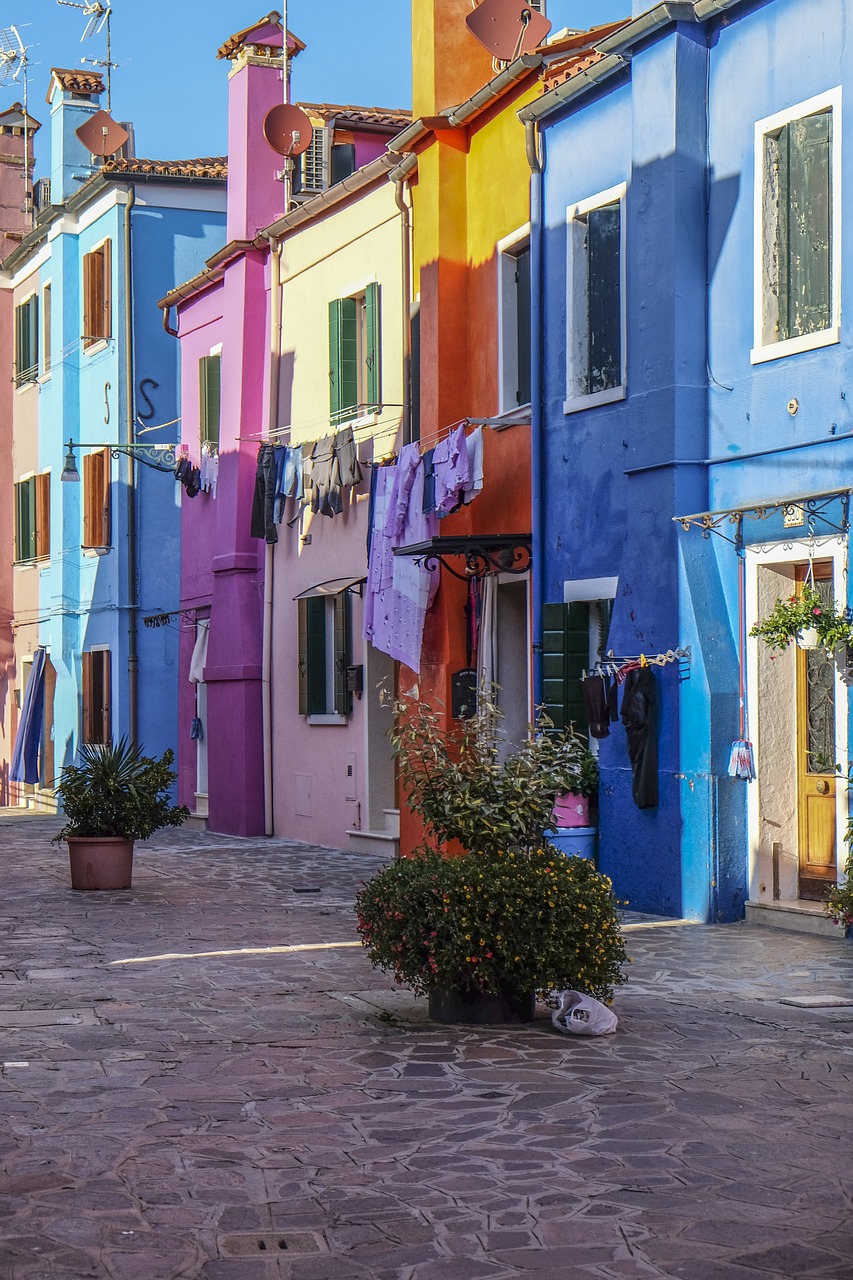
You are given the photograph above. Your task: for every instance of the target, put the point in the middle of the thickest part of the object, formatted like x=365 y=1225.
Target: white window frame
x=576 y=283
x=763 y=351
x=508 y=249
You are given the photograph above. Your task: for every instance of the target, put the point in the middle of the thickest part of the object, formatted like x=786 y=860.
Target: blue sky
x=173 y=88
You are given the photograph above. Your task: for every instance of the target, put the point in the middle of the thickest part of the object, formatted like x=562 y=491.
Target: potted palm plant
x=115 y=796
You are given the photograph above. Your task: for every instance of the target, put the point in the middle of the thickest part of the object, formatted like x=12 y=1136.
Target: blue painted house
x=94 y=367
x=692 y=439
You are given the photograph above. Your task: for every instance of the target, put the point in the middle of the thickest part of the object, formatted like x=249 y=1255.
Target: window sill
x=91 y=552
x=577 y=404
x=95 y=348
x=26 y=386
x=793 y=346
x=331 y=718
x=45 y=377
x=42 y=562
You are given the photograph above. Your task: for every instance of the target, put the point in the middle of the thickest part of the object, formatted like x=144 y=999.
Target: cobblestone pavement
x=203 y=1077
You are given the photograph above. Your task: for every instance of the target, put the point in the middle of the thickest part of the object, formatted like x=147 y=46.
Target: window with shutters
x=209 y=393
x=314 y=166
x=514 y=320
x=97 y=295
x=45 y=330
x=96 y=720
x=32 y=519
x=574 y=638
x=595 y=317
x=325 y=646
x=96 y=499
x=354 y=356
x=27 y=341
x=798 y=242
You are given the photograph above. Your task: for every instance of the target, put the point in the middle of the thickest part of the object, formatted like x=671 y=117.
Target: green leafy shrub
x=115 y=790
x=789 y=617
x=499 y=923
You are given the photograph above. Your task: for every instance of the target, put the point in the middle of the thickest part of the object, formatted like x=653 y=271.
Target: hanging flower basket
x=807 y=620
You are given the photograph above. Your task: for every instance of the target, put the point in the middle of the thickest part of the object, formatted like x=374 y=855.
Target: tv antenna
x=13 y=67
x=99 y=16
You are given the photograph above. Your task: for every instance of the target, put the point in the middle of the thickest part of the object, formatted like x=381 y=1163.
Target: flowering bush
x=497 y=923
x=839 y=901
x=799 y=612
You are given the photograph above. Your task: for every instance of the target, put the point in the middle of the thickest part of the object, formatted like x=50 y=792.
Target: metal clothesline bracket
x=612 y=663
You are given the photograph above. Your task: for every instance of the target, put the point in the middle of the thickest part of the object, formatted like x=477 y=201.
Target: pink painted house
x=223 y=319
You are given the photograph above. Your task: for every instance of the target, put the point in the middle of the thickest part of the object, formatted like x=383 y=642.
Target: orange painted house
x=464 y=161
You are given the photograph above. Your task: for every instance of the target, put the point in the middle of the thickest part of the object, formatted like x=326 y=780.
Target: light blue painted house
x=693 y=441
x=94 y=366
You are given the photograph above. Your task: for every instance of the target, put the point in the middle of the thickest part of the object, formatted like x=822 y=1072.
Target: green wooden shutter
x=316 y=656
x=25 y=520
x=302 y=608
x=19 y=345
x=343 y=646
x=565 y=655
x=343 y=359
x=604 y=308
x=372 y=355
x=210 y=398
x=33 y=337
x=805 y=226
x=26 y=342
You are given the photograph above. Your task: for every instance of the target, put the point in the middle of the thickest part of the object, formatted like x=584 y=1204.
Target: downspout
x=132 y=537
x=406 y=229
x=269 y=549
x=534 y=144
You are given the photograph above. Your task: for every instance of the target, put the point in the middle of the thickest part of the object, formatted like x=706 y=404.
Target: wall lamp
x=159 y=457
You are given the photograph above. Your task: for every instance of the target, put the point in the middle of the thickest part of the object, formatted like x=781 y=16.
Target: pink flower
x=817 y=612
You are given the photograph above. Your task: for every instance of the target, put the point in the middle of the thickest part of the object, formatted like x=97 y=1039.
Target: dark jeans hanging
x=639 y=716
x=263 y=505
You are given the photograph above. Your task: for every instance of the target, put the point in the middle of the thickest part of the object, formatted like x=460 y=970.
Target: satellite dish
x=287 y=129
x=508 y=28
x=101 y=135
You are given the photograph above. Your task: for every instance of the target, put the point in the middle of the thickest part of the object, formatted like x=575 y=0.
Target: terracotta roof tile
x=392 y=117
x=567 y=68
x=206 y=167
x=76 y=81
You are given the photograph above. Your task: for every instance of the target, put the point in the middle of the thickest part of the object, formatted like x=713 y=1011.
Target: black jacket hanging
x=595 y=703
x=639 y=716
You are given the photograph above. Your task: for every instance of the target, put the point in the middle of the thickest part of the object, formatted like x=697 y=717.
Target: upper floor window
x=27 y=341
x=798 y=240
x=32 y=518
x=325 y=643
x=97 y=295
x=596 y=319
x=354 y=372
x=210 y=398
x=514 y=320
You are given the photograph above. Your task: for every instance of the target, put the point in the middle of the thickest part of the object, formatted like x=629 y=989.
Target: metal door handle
x=822 y=787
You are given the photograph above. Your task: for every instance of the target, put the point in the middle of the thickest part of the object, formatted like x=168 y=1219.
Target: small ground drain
x=263 y=1244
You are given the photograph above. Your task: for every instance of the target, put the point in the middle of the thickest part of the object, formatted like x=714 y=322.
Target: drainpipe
x=132 y=537
x=534 y=144
x=269 y=558
x=406 y=228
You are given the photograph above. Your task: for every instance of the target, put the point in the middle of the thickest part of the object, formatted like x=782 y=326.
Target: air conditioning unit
x=539 y=6
x=41 y=195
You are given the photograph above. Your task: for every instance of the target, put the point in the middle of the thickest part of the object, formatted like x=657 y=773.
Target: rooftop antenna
x=13 y=67
x=287 y=128
x=99 y=16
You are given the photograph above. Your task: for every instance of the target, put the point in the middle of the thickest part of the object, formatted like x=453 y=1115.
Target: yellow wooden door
x=816 y=781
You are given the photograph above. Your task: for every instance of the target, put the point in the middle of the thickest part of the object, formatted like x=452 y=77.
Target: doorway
x=816 y=754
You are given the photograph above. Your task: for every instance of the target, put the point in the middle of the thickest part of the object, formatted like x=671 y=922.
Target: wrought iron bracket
x=482 y=555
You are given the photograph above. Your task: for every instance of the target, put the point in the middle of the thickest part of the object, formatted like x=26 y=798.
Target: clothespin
x=644 y=662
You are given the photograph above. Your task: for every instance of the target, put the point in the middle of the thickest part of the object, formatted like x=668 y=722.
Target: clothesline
x=612 y=664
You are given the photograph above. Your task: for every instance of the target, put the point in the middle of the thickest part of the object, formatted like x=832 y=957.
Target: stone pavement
x=203 y=1077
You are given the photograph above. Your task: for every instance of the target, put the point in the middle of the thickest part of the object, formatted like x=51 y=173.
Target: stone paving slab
x=205 y=1069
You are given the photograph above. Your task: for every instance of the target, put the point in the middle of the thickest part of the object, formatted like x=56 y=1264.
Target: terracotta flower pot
x=474 y=1008
x=100 y=862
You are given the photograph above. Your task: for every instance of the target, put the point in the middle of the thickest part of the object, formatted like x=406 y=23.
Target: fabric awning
x=333 y=587
x=25 y=757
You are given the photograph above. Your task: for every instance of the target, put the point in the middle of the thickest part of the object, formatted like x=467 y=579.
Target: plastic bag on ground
x=582 y=1015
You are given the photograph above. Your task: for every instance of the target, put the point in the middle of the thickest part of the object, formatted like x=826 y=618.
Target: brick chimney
x=73 y=97
x=448 y=63
x=15 y=192
x=255 y=86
